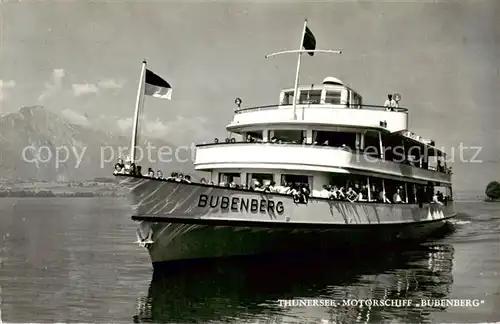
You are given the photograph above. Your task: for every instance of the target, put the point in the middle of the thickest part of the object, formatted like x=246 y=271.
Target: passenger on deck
x=127 y=165
x=274 y=140
x=187 y=178
x=159 y=175
x=151 y=173
x=334 y=192
x=351 y=195
x=295 y=192
x=324 y=193
x=179 y=178
x=258 y=186
x=390 y=103
x=306 y=191
x=232 y=184
x=272 y=187
x=203 y=181
x=138 y=171
x=440 y=167
x=440 y=196
x=120 y=164
x=299 y=193
x=396 y=198
x=132 y=170
x=341 y=194
x=119 y=169
x=363 y=194
x=211 y=183
x=435 y=199
x=285 y=188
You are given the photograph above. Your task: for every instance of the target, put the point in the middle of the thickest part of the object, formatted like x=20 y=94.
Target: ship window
x=372 y=144
x=310 y=97
x=333 y=97
x=356 y=100
x=230 y=177
x=287 y=98
x=289 y=136
x=294 y=178
x=335 y=139
x=255 y=135
x=263 y=178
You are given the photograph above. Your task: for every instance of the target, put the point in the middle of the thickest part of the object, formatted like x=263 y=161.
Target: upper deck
x=331 y=103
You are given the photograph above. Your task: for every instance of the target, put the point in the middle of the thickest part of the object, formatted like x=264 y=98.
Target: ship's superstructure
x=336 y=140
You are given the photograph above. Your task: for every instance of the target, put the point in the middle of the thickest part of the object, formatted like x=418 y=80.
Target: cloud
x=5 y=85
x=84 y=89
x=54 y=86
x=152 y=128
x=90 y=88
x=125 y=124
x=156 y=128
x=181 y=126
x=75 y=117
x=110 y=84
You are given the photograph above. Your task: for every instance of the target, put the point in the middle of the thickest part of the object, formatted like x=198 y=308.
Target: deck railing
x=360 y=152
x=325 y=105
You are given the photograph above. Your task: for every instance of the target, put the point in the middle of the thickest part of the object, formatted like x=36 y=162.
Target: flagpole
x=297 y=72
x=139 y=102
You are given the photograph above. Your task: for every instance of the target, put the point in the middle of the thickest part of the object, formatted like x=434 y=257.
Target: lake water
x=75 y=260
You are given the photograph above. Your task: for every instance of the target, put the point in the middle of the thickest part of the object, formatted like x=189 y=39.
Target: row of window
x=394 y=149
x=334 y=97
x=354 y=187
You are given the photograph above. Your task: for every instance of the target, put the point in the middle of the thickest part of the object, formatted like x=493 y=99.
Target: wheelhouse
x=331 y=92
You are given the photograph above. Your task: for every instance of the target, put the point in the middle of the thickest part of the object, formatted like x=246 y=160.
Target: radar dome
x=333 y=81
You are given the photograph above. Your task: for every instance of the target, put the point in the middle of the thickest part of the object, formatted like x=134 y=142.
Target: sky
x=83 y=60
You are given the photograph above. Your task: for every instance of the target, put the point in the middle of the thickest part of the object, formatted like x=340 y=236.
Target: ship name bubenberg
x=242 y=204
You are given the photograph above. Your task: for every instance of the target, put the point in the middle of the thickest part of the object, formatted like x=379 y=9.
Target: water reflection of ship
x=243 y=289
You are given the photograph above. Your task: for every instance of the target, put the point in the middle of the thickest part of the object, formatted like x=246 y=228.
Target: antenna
x=308 y=42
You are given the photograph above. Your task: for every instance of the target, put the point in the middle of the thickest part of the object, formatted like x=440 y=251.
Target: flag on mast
x=156 y=86
x=309 y=42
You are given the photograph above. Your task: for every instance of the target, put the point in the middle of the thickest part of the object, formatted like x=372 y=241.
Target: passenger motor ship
x=318 y=169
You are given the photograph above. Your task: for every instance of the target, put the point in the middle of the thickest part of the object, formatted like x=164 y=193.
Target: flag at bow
x=157 y=87
x=309 y=42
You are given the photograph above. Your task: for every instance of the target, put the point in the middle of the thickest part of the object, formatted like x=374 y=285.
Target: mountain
x=35 y=142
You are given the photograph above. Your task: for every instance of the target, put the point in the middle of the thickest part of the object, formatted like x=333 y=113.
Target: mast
x=297 y=73
x=138 y=105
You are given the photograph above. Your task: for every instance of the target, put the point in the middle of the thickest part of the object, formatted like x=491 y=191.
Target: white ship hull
x=188 y=221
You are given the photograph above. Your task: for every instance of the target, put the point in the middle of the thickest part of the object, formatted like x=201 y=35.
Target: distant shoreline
x=90 y=188
x=50 y=194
